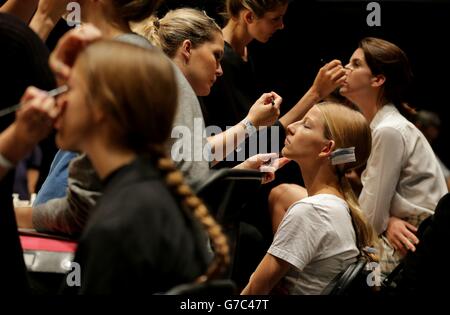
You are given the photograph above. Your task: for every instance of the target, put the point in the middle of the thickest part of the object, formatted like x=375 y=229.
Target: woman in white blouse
x=402 y=182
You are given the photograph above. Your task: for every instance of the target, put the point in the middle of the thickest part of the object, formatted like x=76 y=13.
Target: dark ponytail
x=389 y=60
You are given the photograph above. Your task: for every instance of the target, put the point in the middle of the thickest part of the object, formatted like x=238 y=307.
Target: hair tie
x=370 y=250
x=343 y=155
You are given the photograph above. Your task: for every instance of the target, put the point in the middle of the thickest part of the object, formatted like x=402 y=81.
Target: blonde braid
x=175 y=180
x=365 y=235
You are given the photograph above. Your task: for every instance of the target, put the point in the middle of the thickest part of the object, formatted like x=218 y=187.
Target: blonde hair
x=140 y=96
x=348 y=128
x=176 y=26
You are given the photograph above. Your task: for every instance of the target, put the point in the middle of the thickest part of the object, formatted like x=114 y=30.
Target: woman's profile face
x=75 y=122
x=264 y=27
x=359 y=76
x=203 y=66
x=305 y=139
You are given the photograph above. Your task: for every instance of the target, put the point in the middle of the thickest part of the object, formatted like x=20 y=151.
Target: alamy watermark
x=373 y=279
x=73 y=17
x=73 y=275
x=374 y=17
x=191 y=144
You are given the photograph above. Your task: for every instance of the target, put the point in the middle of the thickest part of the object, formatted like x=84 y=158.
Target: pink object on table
x=47 y=244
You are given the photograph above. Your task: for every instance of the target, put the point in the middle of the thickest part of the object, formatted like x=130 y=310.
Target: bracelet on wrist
x=248 y=126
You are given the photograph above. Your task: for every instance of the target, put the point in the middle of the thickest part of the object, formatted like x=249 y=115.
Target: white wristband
x=248 y=127
x=5 y=163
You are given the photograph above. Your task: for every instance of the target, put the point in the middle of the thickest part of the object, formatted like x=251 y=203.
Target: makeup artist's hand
x=34 y=120
x=329 y=77
x=401 y=235
x=268 y=163
x=69 y=46
x=265 y=111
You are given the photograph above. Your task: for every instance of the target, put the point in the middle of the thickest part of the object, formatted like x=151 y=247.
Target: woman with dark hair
x=234 y=92
x=402 y=182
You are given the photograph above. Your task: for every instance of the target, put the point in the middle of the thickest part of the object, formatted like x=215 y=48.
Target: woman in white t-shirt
x=323 y=233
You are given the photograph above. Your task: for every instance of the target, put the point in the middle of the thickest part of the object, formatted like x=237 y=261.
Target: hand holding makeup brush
x=34 y=121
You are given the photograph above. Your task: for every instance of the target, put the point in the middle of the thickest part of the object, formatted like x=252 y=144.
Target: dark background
x=316 y=30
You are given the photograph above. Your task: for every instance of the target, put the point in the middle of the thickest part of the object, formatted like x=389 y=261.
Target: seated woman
x=323 y=233
x=143 y=236
x=401 y=187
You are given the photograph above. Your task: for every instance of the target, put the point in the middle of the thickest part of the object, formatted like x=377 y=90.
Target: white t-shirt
x=317 y=238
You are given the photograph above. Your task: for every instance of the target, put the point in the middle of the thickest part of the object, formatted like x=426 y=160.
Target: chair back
x=343 y=283
x=225 y=194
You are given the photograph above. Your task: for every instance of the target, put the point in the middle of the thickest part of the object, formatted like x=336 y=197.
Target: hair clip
x=343 y=155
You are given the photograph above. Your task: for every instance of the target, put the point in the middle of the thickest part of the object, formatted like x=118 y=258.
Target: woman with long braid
x=141 y=238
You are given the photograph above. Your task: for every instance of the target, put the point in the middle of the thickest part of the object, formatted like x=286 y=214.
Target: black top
x=231 y=97
x=138 y=240
x=233 y=93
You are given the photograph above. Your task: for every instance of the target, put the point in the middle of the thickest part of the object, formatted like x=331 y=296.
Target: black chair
x=221 y=287
x=347 y=281
x=225 y=194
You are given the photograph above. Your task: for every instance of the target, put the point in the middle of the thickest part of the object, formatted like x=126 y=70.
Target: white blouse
x=402 y=177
